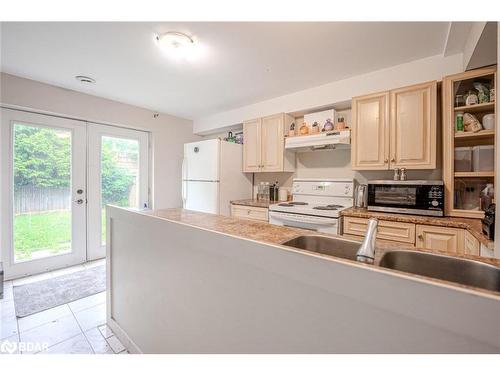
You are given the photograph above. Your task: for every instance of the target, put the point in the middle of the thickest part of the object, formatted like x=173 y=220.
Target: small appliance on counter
x=360 y=196
x=489 y=222
x=416 y=197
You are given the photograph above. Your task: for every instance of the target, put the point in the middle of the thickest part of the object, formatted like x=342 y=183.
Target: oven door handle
x=292 y=218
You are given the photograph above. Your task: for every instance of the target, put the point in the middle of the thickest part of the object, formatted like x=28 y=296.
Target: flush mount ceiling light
x=85 y=79
x=178 y=45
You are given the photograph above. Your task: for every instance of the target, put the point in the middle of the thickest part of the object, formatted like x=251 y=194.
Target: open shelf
x=481 y=107
x=475 y=174
x=477 y=135
x=462 y=188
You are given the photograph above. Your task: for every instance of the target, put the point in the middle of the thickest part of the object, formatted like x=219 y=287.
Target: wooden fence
x=31 y=199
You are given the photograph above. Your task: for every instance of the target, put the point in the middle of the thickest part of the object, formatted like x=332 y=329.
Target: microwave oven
x=417 y=197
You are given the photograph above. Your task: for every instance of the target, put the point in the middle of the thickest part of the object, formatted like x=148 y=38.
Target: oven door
x=314 y=223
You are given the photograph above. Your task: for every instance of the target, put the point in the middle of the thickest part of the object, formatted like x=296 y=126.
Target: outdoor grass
x=43 y=231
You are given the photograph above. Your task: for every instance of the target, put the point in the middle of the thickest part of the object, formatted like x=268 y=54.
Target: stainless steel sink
x=458 y=270
x=346 y=249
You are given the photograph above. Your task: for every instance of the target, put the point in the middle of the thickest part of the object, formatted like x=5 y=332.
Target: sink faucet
x=366 y=252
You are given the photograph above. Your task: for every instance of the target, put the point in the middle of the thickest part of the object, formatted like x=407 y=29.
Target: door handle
x=79 y=201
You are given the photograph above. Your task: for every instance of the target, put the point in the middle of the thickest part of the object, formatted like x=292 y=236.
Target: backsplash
x=332 y=164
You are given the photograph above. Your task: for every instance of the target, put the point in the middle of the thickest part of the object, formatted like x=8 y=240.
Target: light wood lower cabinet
x=387 y=230
x=440 y=238
x=471 y=244
x=431 y=237
x=250 y=213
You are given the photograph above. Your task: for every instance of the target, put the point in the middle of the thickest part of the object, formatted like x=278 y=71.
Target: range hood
x=323 y=141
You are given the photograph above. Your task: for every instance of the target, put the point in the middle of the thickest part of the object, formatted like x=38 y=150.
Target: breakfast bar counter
x=227 y=285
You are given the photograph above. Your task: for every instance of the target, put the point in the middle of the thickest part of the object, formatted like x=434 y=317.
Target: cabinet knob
x=420 y=237
x=386 y=161
x=393 y=160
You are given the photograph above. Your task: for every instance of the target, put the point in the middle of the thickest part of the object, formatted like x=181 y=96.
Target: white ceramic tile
x=43 y=317
x=74 y=345
x=90 y=301
x=32 y=279
x=8 y=292
x=98 y=342
x=115 y=344
x=53 y=332
x=92 y=317
x=8 y=320
x=9 y=345
x=106 y=331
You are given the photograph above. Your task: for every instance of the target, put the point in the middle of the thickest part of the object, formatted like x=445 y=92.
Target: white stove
x=316 y=204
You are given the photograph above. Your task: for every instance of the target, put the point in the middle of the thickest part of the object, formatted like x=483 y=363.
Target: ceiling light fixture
x=178 y=45
x=85 y=79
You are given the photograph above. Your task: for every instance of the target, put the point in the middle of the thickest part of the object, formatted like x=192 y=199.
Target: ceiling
x=241 y=63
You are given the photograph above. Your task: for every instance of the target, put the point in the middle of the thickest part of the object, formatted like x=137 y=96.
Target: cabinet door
x=387 y=230
x=250 y=213
x=370 y=132
x=440 y=238
x=252 y=146
x=273 y=143
x=413 y=127
x=471 y=244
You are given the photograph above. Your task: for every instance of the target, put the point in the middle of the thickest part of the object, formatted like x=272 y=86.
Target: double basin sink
x=442 y=267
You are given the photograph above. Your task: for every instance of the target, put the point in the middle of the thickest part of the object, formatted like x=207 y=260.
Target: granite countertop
x=473 y=226
x=276 y=235
x=253 y=203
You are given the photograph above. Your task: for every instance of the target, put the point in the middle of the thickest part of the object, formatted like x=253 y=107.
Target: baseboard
x=123 y=337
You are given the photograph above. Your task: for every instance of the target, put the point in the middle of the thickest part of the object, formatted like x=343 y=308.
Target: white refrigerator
x=212 y=176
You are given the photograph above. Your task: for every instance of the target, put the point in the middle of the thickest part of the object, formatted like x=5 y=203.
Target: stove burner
x=330 y=207
x=291 y=204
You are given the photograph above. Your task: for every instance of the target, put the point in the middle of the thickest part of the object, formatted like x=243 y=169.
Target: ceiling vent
x=85 y=79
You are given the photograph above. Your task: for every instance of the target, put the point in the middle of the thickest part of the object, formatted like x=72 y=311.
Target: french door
x=43 y=192
x=56 y=176
x=118 y=175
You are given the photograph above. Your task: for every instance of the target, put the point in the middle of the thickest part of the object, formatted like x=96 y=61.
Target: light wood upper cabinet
x=440 y=238
x=370 y=132
x=413 y=127
x=264 y=145
x=395 y=129
x=252 y=146
x=273 y=143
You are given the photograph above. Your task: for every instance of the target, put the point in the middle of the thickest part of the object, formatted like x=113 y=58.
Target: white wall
x=168 y=133
x=430 y=68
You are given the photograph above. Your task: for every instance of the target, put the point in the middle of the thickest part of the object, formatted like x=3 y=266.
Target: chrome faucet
x=366 y=252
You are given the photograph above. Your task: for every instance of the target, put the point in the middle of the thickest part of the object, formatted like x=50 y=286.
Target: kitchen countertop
x=473 y=226
x=253 y=203
x=276 y=235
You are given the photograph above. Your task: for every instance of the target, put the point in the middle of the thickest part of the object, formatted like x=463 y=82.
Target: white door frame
x=95 y=249
x=78 y=181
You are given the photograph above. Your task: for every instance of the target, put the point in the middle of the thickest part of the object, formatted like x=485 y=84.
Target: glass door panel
x=43 y=192
x=118 y=175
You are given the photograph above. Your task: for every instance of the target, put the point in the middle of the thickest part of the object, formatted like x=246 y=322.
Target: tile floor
x=78 y=327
